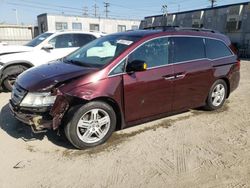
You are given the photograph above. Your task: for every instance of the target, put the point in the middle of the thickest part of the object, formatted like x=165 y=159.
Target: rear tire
x=10 y=74
x=217 y=95
x=91 y=125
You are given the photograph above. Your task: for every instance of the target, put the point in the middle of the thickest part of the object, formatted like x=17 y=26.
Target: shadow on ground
x=17 y=129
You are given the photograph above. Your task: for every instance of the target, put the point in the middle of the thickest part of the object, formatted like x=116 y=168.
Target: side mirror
x=48 y=47
x=136 y=66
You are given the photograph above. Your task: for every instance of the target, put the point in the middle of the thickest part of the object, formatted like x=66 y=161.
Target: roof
x=83 y=32
x=203 y=9
x=140 y=33
x=173 y=31
x=78 y=16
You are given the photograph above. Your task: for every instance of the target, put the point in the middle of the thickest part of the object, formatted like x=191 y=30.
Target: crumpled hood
x=45 y=77
x=8 y=49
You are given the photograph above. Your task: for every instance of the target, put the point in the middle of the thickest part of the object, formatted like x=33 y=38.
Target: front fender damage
x=58 y=110
x=41 y=123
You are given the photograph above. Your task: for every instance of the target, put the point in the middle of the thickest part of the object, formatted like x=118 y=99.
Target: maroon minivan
x=124 y=79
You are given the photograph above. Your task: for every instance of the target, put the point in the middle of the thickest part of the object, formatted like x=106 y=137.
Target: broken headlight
x=38 y=100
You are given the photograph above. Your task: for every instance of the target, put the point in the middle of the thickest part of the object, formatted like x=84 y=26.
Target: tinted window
x=62 y=41
x=216 y=49
x=187 y=48
x=154 y=53
x=82 y=39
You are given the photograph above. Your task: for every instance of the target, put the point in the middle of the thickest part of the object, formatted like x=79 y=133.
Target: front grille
x=17 y=94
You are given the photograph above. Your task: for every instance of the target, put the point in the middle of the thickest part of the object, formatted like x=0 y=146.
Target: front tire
x=91 y=125
x=217 y=95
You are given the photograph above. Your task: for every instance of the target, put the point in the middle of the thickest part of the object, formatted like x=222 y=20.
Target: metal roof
x=203 y=9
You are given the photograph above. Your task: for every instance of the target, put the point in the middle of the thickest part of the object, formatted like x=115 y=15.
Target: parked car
x=44 y=48
x=125 y=79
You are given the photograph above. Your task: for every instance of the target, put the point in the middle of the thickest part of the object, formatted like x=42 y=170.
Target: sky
x=26 y=11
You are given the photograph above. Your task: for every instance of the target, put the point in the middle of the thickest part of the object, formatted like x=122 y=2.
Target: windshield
x=38 y=39
x=101 y=51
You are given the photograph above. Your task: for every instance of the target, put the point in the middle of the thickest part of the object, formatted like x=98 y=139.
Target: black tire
x=68 y=119
x=209 y=103
x=71 y=126
x=10 y=74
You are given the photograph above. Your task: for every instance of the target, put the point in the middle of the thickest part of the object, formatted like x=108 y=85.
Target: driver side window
x=154 y=53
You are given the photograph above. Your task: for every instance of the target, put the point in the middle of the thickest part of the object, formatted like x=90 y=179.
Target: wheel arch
x=226 y=80
x=16 y=63
x=75 y=101
x=116 y=108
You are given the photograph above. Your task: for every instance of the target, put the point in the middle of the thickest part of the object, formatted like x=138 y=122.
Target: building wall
x=48 y=22
x=16 y=34
x=218 y=18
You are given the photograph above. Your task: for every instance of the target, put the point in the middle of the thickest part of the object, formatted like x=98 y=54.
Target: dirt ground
x=192 y=149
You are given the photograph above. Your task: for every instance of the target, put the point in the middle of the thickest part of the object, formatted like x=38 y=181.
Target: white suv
x=46 y=47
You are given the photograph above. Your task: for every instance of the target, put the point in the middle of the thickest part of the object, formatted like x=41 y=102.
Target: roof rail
x=179 y=28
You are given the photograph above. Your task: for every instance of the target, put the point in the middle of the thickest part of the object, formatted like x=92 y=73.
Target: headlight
x=38 y=100
x=1 y=65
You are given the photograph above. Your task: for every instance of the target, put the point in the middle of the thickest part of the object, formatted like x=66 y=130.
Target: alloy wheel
x=93 y=125
x=218 y=94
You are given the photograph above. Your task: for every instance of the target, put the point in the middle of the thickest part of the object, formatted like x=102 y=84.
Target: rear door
x=150 y=92
x=193 y=72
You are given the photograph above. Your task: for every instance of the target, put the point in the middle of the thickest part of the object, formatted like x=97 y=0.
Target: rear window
x=187 y=49
x=216 y=49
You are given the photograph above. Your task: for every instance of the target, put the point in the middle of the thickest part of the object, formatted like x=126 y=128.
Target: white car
x=46 y=47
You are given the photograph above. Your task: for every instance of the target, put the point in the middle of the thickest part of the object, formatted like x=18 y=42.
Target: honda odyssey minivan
x=124 y=79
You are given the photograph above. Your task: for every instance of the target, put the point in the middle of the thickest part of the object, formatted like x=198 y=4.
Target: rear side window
x=62 y=41
x=216 y=49
x=187 y=49
x=82 y=39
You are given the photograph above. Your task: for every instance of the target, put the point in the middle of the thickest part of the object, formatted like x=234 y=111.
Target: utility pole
x=164 y=9
x=212 y=3
x=17 y=22
x=106 y=6
x=85 y=11
x=95 y=10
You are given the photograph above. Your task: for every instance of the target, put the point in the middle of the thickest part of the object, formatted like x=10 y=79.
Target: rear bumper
x=234 y=81
x=39 y=122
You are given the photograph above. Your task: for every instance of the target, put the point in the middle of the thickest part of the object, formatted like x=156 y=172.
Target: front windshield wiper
x=75 y=62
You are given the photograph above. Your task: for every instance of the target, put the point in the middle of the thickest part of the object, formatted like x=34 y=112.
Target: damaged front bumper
x=41 y=119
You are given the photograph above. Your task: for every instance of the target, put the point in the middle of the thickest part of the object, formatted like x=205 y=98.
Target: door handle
x=180 y=75
x=169 y=77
